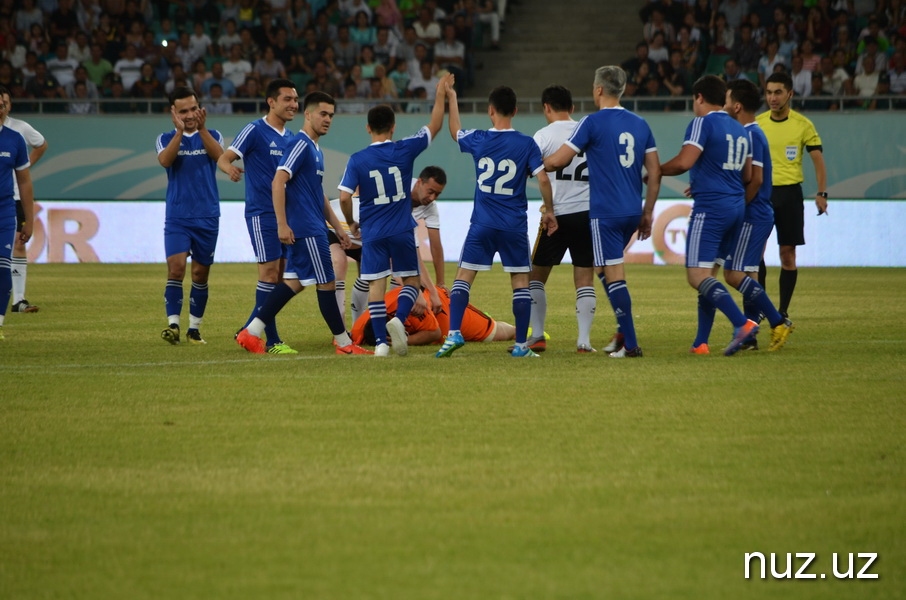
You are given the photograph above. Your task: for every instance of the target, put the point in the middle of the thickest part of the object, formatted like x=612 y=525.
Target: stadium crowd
x=841 y=54
x=116 y=55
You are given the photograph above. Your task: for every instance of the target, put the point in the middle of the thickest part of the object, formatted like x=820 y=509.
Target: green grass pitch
x=134 y=469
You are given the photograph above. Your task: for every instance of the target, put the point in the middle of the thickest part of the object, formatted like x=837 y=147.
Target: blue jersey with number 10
x=615 y=142
x=383 y=174
x=503 y=161
x=716 y=177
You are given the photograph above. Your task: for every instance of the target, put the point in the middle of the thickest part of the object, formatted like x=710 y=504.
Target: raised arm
x=454 y=121
x=437 y=113
x=211 y=146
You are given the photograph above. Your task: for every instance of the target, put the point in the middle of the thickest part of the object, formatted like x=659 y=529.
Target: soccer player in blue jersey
x=717 y=153
x=261 y=145
x=301 y=208
x=743 y=101
x=14 y=165
x=189 y=153
x=617 y=144
x=382 y=172
x=504 y=159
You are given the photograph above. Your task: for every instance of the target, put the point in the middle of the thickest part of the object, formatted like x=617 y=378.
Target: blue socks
x=378 y=312
x=618 y=294
x=327 y=302
x=198 y=299
x=459 y=299
x=405 y=302
x=173 y=297
x=706 y=312
x=720 y=298
x=755 y=296
x=522 y=310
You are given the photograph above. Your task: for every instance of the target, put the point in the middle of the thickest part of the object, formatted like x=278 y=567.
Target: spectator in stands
x=450 y=54
x=165 y=31
x=79 y=47
x=228 y=37
x=873 y=30
x=353 y=103
x=897 y=75
x=421 y=95
x=658 y=50
x=324 y=81
x=250 y=98
x=363 y=33
x=759 y=32
x=236 y=69
x=346 y=50
x=770 y=59
x=63 y=22
x=14 y=52
x=833 y=78
x=388 y=88
x=81 y=76
x=129 y=67
x=350 y=9
x=746 y=51
x=267 y=68
x=390 y=15
x=672 y=11
x=385 y=48
x=300 y=19
x=98 y=67
x=400 y=78
x=329 y=60
x=185 y=53
x=882 y=89
x=426 y=79
x=674 y=83
x=135 y=34
x=30 y=67
x=199 y=74
x=864 y=84
x=632 y=66
x=327 y=32
x=764 y=9
x=427 y=30
x=178 y=78
x=722 y=36
x=28 y=15
x=61 y=66
x=116 y=95
x=148 y=86
x=845 y=44
x=366 y=62
x=229 y=90
x=732 y=72
x=802 y=79
x=872 y=49
x=818 y=30
x=49 y=90
x=311 y=50
x=378 y=95
x=11 y=80
x=735 y=12
x=215 y=103
x=788 y=43
x=810 y=60
x=689 y=52
x=704 y=14
x=681 y=70
x=80 y=103
x=657 y=24
x=405 y=49
x=820 y=99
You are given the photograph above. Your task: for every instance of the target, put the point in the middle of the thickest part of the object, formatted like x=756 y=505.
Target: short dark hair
x=181 y=92
x=712 y=89
x=783 y=79
x=318 y=97
x=435 y=173
x=381 y=119
x=275 y=85
x=559 y=97
x=4 y=90
x=503 y=99
x=746 y=93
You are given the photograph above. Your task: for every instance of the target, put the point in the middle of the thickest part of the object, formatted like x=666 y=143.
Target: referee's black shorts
x=573 y=234
x=789 y=214
x=355 y=253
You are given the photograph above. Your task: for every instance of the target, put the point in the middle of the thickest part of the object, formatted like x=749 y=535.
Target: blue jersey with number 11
x=383 y=174
x=716 y=177
x=615 y=142
x=503 y=161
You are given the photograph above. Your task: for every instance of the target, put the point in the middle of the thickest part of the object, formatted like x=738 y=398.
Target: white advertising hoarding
x=854 y=233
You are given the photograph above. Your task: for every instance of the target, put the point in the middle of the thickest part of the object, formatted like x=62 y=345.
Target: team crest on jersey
x=792 y=152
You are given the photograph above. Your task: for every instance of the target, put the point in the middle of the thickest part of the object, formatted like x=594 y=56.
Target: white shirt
x=237 y=71
x=802 y=83
x=33 y=139
x=570 y=196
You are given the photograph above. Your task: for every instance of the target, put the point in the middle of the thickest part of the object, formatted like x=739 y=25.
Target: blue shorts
x=308 y=260
x=609 y=238
x=198 y=237
x=398 y=251
x=482 y=243
x=711 y=236
x=265 y=241
x=749 y=247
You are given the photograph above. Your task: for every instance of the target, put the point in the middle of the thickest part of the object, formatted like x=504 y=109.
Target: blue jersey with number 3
x=504 y=159
x=383 y=174
x=716 y=177
x=615 y=143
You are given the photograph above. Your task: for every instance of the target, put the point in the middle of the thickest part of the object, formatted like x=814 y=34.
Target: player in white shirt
x=37 y=146
x=570 y=186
